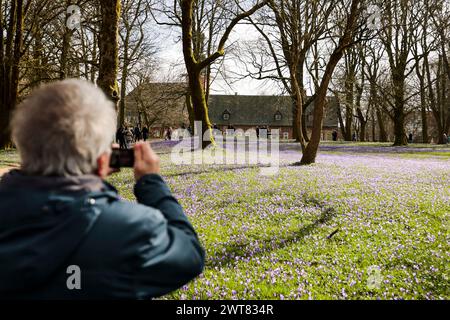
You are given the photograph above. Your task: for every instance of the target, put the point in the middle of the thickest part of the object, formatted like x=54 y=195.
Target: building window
x=278 y=116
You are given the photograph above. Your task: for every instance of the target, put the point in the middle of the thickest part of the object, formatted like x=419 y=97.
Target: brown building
x=248 y=112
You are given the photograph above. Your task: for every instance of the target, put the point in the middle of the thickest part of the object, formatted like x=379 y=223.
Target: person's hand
x=146 y=161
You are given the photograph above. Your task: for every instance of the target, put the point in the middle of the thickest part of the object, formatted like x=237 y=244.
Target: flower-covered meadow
x=320 y=231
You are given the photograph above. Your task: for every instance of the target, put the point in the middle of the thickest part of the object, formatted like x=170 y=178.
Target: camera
x=122 y=158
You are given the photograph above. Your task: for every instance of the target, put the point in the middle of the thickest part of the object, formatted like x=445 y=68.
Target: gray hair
x=62 y=128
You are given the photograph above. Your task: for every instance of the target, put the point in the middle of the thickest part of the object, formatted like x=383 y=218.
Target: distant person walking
x=169 y=133
x=145 y=133
x=334 y=135
x=120 y=137
x=354 y=136
x=137 y=134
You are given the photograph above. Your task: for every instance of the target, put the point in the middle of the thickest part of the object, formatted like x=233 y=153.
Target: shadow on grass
x=245 y=249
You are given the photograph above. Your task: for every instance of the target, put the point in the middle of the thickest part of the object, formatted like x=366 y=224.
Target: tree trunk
x=341 y=121
x=398 y=80
x=94 y=56
x=399 y=127
x=298 y=109
x=296 y=121
x=201 y=108
x=109 y=51
x=10 y=72
x=190 y=110
x=372 y=115
x=439 y=109
x=420 y=71
x=123 y=84
x=423 y=110
x=349 y=99
x=381 y=127
x=301 y=103
x=363 y=123
x=362 y=136
x=63 y=72
x=123 y=92
x=305 y=126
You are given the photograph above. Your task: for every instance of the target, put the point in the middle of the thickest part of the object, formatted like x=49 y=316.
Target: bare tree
x=353 y=14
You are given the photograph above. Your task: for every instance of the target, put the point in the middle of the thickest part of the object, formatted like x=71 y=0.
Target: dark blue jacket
x=123 y=250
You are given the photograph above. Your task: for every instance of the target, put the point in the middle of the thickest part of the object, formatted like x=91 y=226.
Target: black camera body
x=122 y=158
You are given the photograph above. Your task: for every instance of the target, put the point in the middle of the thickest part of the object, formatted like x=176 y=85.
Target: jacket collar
x=83 y=183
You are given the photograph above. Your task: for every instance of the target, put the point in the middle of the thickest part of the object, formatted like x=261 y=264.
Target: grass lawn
x=316 y=232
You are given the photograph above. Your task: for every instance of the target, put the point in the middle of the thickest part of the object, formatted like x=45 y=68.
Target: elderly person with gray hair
x=64 y=231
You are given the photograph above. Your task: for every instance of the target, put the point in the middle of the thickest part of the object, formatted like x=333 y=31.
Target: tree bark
x=298 y=109
x=349 y=99
x=399 y=126
x=363 y=124
x=381 y=126
x=190 y=110
x=108 y=49
x=398 y=81
x=10 y=70
x=423 y=111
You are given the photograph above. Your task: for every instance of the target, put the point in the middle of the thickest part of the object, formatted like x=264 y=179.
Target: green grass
x=268 y=237
x=8 y=158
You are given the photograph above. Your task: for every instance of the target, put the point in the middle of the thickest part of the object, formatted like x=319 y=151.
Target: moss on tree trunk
x=109 y=51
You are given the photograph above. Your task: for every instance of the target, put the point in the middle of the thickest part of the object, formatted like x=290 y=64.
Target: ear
x=103 y=165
